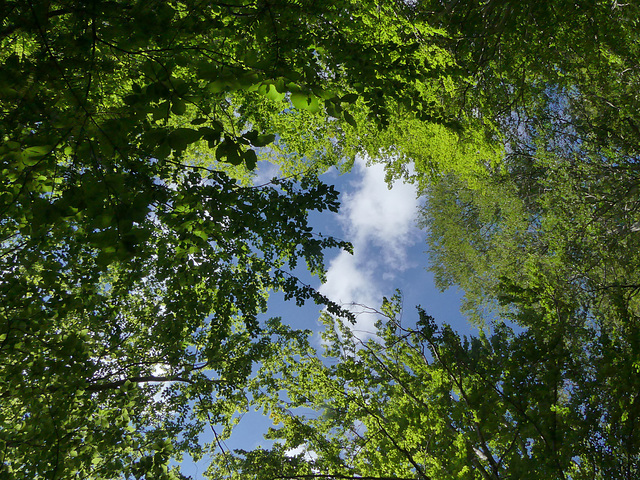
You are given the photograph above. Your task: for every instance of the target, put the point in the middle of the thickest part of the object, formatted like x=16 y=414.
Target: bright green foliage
x=498 y=63
x=555 y=79
x=560 y=212
x=546 y=240
x=424 y=403
x=130 y=80
x=434 y=150
x=551 y=243
x=476 y=235
x=133 y=269
x=90 y=318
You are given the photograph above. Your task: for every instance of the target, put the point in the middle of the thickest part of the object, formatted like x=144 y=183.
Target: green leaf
x=211 y=135
x=349 y=119
x=233 y=155
x=132 y=99
x=349 y=98
x=163 y=150
x=179 y=107
x=263 y=140
x=36 y=152
x=271 y=92
x=161 y=112
x=305 y=101
x=181 y=137
x=218 y=86
x=250 y=159
x=332 y=109
x=223 y=149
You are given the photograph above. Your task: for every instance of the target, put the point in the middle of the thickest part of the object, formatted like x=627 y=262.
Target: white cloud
x=380 y=222
x=309 y=455
x=265 y=172
x=349 y=281
x=375 y=214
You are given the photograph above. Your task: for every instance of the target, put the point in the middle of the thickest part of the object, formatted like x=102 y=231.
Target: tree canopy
x=136 y=254
x=422 y=402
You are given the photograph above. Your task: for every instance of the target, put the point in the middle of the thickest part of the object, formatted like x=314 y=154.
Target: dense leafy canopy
x=136 y=256
x=554 y=401
x=130 y=259
x=544 y=244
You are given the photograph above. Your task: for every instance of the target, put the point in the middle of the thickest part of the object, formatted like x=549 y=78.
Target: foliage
x=92 y=327
x=561 y=211
x=422 y=402
x=139 y=80
x=545 y=240
x=133 y=269
x=503 y=65
x=136 y=256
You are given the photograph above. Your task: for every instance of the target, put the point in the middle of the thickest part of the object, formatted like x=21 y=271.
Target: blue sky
x=389 y=254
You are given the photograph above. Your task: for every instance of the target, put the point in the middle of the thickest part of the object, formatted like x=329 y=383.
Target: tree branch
x=149 y=378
